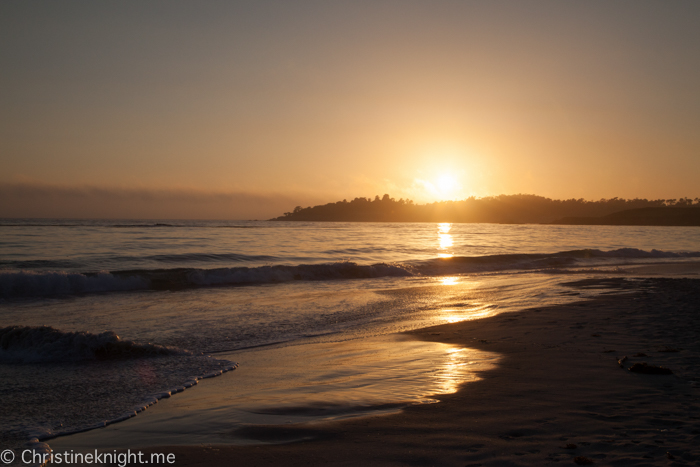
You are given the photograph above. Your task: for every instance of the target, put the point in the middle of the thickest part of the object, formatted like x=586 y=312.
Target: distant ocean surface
x=99 y=319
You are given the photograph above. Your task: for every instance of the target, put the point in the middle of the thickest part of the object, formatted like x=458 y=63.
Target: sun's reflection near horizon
x=445 y=241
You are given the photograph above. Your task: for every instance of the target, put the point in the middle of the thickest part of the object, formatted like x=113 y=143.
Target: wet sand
x=558 y=395
x=295 y=384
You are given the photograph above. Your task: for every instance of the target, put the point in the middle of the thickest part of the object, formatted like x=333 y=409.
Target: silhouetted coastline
x=507 y=209
x=666 y=216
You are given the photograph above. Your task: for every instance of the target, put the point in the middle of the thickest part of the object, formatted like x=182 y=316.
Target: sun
x=441 y=186
x=447 y=185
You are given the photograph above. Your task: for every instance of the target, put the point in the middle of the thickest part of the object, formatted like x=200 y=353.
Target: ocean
x=100 y=319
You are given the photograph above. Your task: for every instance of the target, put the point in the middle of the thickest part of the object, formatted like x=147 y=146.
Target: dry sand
x=557 y=397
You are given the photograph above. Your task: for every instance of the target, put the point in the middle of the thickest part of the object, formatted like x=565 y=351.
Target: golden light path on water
x=455 y=366
x=445 y=241
x=474 y=309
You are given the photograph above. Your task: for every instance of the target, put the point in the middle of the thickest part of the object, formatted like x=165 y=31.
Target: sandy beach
x=561 y=394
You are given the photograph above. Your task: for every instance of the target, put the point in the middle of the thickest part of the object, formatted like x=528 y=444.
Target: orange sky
x=265 y=105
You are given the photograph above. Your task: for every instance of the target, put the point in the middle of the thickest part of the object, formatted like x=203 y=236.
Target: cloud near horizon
x=43 y=200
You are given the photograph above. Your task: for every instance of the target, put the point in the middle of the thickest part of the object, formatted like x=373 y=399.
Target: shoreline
x=557 y=394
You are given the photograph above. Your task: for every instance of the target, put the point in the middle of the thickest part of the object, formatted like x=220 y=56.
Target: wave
x=22 y=283
x=541 y=261
x=631 y=253
x=205 y=257
x=199 y=226
x=17 y=284
x=182 y=258
x=40 y=344
x=42 y=284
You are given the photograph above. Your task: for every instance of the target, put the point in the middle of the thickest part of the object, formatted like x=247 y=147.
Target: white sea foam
x=38 y=434
x=40 y=344
x=110 y=380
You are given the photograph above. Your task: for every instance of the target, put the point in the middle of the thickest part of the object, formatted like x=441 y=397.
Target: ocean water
x=100 y=319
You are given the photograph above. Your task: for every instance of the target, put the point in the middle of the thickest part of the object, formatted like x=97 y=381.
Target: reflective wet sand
x=297 y=384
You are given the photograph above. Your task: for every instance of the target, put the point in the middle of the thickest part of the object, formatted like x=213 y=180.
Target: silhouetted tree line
x=509 y=209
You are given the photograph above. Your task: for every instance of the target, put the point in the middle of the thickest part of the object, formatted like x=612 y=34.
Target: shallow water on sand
x=297 y=384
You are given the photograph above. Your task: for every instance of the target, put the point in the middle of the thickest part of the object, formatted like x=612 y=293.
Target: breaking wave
x=40 y=284
x=22 y=283
x=111 y=380
x=14 y=284
x=542 y=261
x=40 y=344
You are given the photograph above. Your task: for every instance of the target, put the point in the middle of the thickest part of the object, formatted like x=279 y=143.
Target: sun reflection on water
x=476 y=312
x=453 y=371
x=460 y=366
x=445 y=241
x=466 y=312
x=451 y=280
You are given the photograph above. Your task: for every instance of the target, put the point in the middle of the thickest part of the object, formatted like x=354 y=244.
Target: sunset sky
x=244 y=109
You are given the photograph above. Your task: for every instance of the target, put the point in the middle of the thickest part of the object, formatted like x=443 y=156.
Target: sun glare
x=446 y=184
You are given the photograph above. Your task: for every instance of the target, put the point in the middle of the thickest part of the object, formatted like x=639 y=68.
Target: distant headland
x=507 y=209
